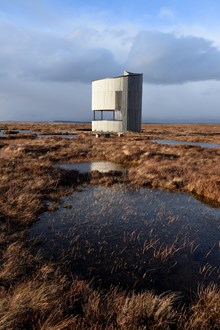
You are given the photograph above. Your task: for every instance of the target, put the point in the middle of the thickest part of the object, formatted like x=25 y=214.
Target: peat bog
x=90 y=249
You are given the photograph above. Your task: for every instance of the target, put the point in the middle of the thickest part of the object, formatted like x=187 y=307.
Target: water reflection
x=63 y=136
x=134 y=238
x=100 y=166
x=199 y=144
x=1 y=133
x=26 y=131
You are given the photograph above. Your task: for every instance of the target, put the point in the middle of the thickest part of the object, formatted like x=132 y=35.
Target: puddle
x=17 y=133
x=1 y=133
x=63 y=136
x=26 y=131
x=100 y=166
x=199 y=144
x=134 y=238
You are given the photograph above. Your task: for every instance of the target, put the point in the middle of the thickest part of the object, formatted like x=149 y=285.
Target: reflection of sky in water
x=16 y=132
x=116 y=234
x=101 y=166
x=58 y=135
x=199 y=144
x=26 y=131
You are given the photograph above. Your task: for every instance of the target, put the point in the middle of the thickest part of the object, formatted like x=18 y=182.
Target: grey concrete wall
x=122 y=94
x=107 y=126
x=104 y=93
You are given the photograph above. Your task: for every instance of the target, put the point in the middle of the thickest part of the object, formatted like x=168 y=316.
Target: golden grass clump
x=205 y=312
x=147 y=311
x=30 y=302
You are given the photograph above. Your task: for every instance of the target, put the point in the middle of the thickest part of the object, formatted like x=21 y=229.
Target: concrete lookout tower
x=117 y=103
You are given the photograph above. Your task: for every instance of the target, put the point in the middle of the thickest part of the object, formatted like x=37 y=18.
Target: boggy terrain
x=36 y=294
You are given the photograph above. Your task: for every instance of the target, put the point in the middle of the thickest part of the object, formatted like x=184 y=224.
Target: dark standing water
x=199 y=144
x=134 y=238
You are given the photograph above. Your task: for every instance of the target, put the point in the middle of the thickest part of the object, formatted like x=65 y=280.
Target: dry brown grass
x=38 y=295
x=147 y=310
x=187 y=132
x=183 y=168
x=51 y=300
x=204 y=313
x=17 y=263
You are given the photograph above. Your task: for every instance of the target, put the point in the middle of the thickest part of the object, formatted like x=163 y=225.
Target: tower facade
x=117 y=103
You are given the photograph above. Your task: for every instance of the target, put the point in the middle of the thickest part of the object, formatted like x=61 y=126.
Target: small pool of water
x=1 y=133
x=26 y=131
x=63 y=136
x=199 y=144
x=100 y=166
x=135 y=238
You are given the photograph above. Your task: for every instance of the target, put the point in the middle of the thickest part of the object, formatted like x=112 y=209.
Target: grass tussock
x=52 y=300
x=148 y=310
x=17 y=263
x=206 y=311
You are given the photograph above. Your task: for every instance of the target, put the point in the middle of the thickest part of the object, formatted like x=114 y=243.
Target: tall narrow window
x=118 y=100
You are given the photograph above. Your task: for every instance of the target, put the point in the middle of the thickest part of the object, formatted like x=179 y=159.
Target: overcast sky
x=51 y=50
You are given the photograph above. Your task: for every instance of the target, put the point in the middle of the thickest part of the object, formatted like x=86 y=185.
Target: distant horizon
x=90 y=121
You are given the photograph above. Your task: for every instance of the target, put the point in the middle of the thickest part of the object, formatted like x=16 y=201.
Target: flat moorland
x=38 y=294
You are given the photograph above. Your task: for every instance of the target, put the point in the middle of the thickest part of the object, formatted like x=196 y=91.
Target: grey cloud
x=3 y=75
x=46 y=56
x=34 y=64
x=37 y=100
x=79 y=56
x=89 y=65
x=190 y=102
x=22 y=49
x=167 y=59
